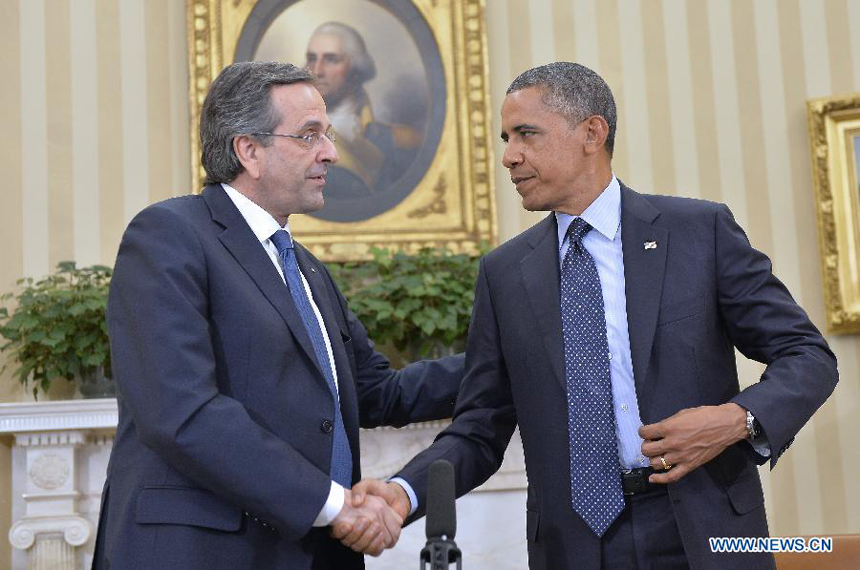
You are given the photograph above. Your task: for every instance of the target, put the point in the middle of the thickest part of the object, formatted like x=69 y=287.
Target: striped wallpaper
x=711 y=97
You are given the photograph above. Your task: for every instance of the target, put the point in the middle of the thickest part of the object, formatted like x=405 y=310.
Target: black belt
x=635 y=481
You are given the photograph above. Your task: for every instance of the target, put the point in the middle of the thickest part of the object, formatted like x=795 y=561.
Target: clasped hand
x=372 y=516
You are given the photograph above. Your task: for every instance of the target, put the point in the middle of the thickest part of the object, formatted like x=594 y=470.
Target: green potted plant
x=57 y=329
x=420 y=303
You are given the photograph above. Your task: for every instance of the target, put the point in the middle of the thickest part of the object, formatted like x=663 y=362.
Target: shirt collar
x=261 y=222
x=603 y=214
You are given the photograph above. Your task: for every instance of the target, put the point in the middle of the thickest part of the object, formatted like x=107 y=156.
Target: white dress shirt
x=264 y=225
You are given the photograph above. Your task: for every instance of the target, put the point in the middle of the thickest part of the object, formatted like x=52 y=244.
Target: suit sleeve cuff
x=410 y=492
x=332 y=506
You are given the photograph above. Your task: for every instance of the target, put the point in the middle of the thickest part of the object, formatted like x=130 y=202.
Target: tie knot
x=282 y=241
x=577 y=230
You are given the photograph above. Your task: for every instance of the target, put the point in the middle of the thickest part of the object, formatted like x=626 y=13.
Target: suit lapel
x=643 y=275
x=243 y=245
x=540 y=273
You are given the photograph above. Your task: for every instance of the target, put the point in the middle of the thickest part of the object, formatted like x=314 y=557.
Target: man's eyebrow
x=520 y=128
x=322 y=53
x=312 y=124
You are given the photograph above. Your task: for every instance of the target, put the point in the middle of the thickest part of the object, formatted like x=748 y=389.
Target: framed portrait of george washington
x=834 y=131
x=406 y=90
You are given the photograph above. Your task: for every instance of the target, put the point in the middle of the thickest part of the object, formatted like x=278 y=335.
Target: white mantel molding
x=50 y=438
x=19 y=418
x=101 y=413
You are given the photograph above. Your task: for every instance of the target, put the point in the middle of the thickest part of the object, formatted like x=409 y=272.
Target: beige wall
x=94 y=117
x=711 y=98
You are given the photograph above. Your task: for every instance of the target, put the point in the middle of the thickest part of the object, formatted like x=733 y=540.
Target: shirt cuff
x=413 y=499
x=760 y=445
x=332 y=506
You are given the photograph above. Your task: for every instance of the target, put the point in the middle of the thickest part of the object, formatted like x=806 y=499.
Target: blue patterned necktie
x=341 y=456
x=595 y=471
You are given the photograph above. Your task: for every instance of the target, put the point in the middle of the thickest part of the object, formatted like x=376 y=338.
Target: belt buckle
x=634 y=481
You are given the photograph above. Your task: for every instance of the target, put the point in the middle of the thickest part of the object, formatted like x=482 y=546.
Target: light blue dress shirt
x=604 y=245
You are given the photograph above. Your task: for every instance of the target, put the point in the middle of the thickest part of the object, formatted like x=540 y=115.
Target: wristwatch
x=753 y=427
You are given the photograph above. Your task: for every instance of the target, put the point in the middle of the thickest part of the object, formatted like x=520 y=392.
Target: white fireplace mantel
x=59 y=458
x=61 y=449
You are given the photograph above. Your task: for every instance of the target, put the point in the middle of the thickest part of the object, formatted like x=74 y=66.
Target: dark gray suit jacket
x=223 y=409
x=702 y=292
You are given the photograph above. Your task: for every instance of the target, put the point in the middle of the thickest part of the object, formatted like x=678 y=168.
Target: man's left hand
x=691 y=438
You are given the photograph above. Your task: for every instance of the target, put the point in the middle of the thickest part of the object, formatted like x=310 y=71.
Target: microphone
x=441 y=524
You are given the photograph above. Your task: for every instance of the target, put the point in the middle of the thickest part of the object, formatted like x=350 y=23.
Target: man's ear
x=595 y=137
x=247 y=150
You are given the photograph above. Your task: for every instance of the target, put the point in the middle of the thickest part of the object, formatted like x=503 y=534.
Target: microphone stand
x=439 y=552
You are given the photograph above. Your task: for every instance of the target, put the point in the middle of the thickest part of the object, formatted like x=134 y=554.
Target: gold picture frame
x=834 y=131
x=445 y=198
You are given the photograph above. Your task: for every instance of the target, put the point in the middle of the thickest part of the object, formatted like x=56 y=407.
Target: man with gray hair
x=242 y=375
x=373 y=154
x=607 y=332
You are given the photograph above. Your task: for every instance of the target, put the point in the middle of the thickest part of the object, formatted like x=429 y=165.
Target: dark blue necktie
x=341 y=457
x=595 y=471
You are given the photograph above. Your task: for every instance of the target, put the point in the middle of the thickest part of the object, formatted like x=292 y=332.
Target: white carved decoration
x=75 y=530
x=49 y=471
x=52 y=553
x=50 y=439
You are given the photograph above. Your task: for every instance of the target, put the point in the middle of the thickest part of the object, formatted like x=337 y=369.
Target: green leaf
x=36 y=336
x=428 y=327
x=66 y=266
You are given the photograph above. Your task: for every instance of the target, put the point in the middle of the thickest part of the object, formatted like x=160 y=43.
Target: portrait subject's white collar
x=346 y=117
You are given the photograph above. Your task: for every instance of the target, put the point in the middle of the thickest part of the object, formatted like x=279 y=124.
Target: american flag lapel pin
x=650 y=245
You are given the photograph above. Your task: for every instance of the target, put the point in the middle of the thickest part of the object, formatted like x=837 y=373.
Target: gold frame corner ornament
x=834 y=133
x=453 y=206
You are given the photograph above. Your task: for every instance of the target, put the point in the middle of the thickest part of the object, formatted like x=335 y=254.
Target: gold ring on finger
x=666 y=466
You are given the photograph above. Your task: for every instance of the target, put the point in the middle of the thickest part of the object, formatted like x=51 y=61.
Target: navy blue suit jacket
x=223 y=411
x=702 y=292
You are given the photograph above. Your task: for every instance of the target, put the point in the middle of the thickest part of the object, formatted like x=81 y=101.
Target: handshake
x=372 y=516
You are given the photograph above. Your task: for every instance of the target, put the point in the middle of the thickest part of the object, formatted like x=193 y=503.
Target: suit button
x=326 y=426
